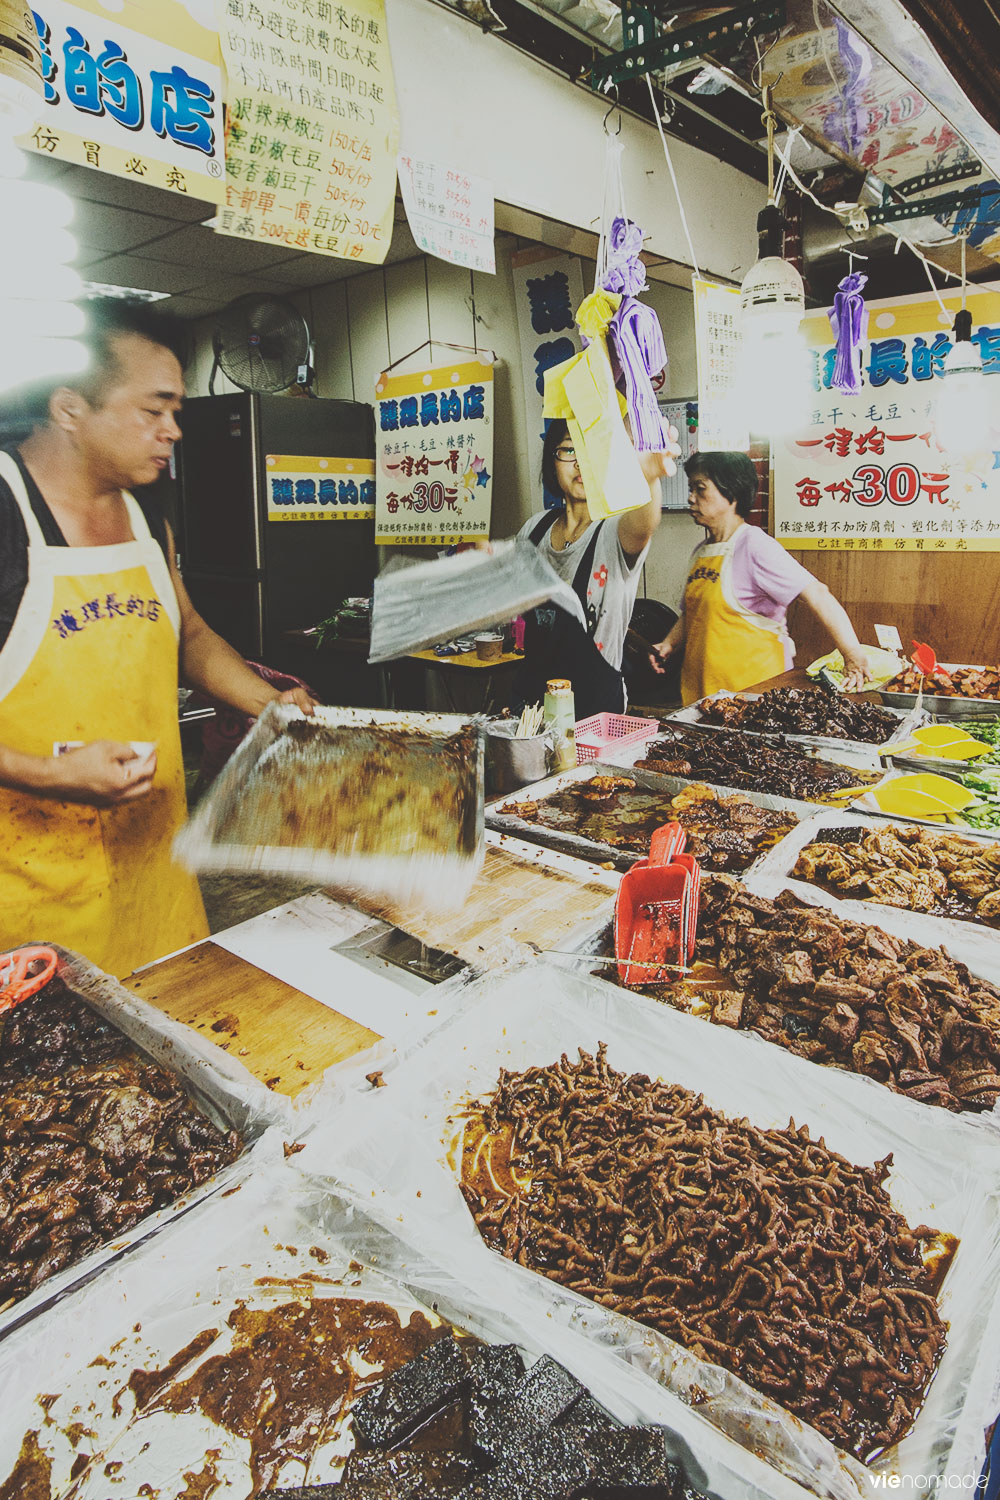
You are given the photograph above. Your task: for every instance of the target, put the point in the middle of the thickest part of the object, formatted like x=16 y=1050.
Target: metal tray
x=944 y=708
x=859 y=804
x=229 y=1095
x=242 y=822
x=972 y=942
x=823 y=744
x=593 y=850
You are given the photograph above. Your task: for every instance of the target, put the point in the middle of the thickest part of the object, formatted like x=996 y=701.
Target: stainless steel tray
x=229 y=1095
x=267 y=810
x=944 y=708
x=822 y=744
x=590 y=849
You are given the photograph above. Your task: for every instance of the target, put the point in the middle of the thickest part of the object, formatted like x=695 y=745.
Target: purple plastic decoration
x=849 y=321
x=635 y=340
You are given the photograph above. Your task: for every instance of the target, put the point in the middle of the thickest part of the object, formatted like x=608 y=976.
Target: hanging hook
x=611 y=109
x=852 y=256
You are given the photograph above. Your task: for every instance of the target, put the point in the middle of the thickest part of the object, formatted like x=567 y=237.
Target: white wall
x=470 y=99
x=362 y=324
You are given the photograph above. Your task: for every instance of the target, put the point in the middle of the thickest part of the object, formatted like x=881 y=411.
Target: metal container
x=221 y=1086
x=591 y=849
x=692 y=717
x=944 y=707
x=513 y=762
x=390 y=804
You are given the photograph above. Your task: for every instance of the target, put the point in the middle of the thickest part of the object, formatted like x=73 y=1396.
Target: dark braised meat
x=852 y=996
x=759 y=1250
x=814 y=710
x=93 y=1137
x=751 y=763
x=723 y=832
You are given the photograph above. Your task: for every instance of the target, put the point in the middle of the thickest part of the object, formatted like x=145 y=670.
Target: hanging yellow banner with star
x=434 y=454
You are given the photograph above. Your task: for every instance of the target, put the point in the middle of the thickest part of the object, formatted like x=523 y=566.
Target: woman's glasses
x=566 y=455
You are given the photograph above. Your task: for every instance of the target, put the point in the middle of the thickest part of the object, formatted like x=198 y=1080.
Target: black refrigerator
x=252 y=572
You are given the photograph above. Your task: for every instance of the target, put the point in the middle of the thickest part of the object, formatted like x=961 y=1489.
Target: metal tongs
x=20 y=976
x=656 y=913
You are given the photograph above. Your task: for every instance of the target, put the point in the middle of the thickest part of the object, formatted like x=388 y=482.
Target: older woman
x=602 y=562
x=740 y=583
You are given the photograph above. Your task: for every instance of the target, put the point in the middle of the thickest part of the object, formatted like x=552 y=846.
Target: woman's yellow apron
x=92 y=655
x=725 y=645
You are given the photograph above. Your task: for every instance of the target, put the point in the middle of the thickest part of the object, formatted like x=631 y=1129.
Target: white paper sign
x=888 y=637
x=450 y=212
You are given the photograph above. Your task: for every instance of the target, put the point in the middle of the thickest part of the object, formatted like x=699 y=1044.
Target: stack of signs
x=141 y=100
x=312 y=126
x=434 y=454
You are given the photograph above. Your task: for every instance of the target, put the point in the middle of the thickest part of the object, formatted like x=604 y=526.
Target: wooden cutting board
x=285 y=1038
x=522 y=895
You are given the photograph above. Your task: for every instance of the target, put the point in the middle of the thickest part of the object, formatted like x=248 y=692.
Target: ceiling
x=135 y=235
x=130 y=234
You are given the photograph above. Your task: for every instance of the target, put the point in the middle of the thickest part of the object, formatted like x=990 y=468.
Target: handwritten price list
x=312 y=126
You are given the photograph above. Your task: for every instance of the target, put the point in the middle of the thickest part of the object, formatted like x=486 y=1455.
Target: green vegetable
x=986 y=812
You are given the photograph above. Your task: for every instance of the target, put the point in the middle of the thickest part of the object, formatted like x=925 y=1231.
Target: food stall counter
x=284 y=1037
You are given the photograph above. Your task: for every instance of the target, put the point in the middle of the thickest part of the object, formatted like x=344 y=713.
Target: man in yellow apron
x=97 y=622
x=740 y=583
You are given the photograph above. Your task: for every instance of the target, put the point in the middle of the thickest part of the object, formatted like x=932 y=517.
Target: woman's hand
x=657 y=466
x=659 y=654
x=857 y=670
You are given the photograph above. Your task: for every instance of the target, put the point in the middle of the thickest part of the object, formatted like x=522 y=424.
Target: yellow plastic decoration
x=940 y=741
x=582 y=391
x=923 y=796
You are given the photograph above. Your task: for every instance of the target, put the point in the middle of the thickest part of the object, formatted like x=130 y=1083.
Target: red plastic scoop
x=655 y=915
x=924 y=658
x=16 y=983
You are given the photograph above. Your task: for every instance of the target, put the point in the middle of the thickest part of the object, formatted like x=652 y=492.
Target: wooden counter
x=285 y=1038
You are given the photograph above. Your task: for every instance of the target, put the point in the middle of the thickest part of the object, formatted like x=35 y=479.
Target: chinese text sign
x=311 y=127
x=873 y=472
x=122 y=98
x=548 y=289
x=450 y=213
x=301 y=488
x=434 y=447
x=721 y=425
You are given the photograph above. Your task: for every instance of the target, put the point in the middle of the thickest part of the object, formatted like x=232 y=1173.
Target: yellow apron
x=92 y=655
x=725 y=645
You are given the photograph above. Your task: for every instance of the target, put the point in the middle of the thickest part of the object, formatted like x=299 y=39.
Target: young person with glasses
x=602 y=562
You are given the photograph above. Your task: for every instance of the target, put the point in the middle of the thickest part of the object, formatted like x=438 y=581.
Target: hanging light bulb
x=38 y=288
x=773 y=383
x=962 y=407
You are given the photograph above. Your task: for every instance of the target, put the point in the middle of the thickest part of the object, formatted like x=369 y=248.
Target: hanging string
x=900 y=238
x=769 y=119
x=673 y=176
x=965 y=241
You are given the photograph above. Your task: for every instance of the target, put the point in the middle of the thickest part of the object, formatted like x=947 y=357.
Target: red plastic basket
x=610 y=731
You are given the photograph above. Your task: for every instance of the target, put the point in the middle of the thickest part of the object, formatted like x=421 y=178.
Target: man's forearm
x=210 y=664
x=25 y=773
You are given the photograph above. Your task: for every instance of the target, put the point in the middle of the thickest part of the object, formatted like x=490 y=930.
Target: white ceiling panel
x=151 y=275
x=197 y=245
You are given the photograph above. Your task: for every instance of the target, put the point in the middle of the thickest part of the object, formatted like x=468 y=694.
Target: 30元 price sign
x=434 y=447
x=137 y=93
x=875 y=472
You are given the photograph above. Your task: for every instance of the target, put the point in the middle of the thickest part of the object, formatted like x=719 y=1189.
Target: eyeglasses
x=566 y=455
